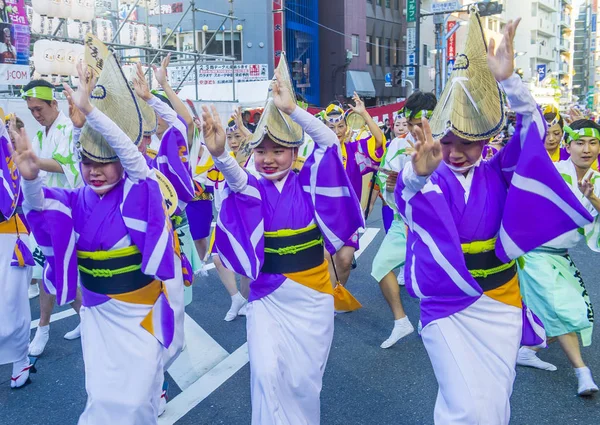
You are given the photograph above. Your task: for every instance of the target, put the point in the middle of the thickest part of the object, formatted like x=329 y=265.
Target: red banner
x=451 y=43
x=277 y=30
x=378 y=113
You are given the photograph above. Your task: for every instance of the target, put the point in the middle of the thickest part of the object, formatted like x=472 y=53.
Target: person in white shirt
x=54 y=148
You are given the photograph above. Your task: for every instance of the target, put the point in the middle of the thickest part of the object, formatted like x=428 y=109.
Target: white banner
x=14 y=74
x=209 y=74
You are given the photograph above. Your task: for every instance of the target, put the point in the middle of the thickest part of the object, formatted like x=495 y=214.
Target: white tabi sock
x=402 y=327
x=20 y=373
x=401 y=281
x=74 y=334
x=237 y=302
x=33 y=291
x=586 y=386
x=527 y=357
x=38 y=344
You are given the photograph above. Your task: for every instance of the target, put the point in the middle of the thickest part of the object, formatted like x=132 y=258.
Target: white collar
x=280 y=183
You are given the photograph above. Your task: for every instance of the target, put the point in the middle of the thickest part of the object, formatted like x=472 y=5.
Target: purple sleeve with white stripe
x=53 y=229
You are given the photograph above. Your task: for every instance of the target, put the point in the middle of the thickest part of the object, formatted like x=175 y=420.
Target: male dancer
x=53 y=146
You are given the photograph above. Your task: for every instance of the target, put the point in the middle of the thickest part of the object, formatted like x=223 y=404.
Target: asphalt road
x=363 y=384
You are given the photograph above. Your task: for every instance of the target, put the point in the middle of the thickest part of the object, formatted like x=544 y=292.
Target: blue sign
x=388 y=77
x=410 y=72
x=594 y=19
x=450 y=67
x=541 y=70
x=412 y=59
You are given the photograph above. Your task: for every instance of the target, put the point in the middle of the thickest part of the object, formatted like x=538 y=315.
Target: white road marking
x=366 y=240
x=205 y=386
x=55 y=317
x=202 y=353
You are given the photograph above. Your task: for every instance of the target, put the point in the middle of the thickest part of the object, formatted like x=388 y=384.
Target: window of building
x=222 y=44
x=369 y=50
x=387 y=52
x=378 y=51
x=398 y=4
x=533 y=9
x=355 y=45
x=237 y=45
x=425 y=55
x=395 y=52
x=388 y=3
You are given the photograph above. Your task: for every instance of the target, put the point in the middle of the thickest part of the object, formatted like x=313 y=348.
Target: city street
x=363 y=385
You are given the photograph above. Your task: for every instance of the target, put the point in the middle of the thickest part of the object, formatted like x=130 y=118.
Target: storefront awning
x=359 y=82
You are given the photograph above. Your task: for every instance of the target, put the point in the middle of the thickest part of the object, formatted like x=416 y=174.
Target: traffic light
x=297 y=70
x=489 y=8
x=398 y=74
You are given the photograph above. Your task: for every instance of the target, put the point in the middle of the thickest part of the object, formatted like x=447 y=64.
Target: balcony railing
x=565 y=45
x=550 y=5
x=546 y=26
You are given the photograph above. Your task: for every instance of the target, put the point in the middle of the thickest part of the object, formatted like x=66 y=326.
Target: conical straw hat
x=472 y=103
x=114 y=97
x=277 y=125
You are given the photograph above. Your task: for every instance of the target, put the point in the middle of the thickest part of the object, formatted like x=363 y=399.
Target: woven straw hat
x=472 y=103
x=277 y=125
x=115 y=98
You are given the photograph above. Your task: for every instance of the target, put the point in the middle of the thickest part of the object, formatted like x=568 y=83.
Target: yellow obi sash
x=13 y=225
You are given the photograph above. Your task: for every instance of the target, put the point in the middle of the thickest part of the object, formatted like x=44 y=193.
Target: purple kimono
x=318 y=194
x=505 y=194
x=10 y=198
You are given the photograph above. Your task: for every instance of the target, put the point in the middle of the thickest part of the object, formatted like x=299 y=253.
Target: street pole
x=417 y=43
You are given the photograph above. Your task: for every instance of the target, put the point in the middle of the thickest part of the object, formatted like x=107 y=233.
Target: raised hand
x=140 y=85
x=282 y=97
x=502 y=60
x=359 y=105
x=161 y=73
x=586 y=186
x=237 y=117
x=574 y=115
x=428 y=152
x=214 y=134
x=77 y=117
x=23 y=154
x=81 y=97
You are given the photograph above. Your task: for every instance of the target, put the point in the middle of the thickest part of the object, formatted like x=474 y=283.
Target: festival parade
x=299 y=212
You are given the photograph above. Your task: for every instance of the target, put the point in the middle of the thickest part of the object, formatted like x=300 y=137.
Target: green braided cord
x=287 y=250
x=582 y=132
x=108 y=272
x=485 y=273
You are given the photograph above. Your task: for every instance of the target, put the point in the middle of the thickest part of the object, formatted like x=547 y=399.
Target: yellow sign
x=95 y=53
x=168 y=192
